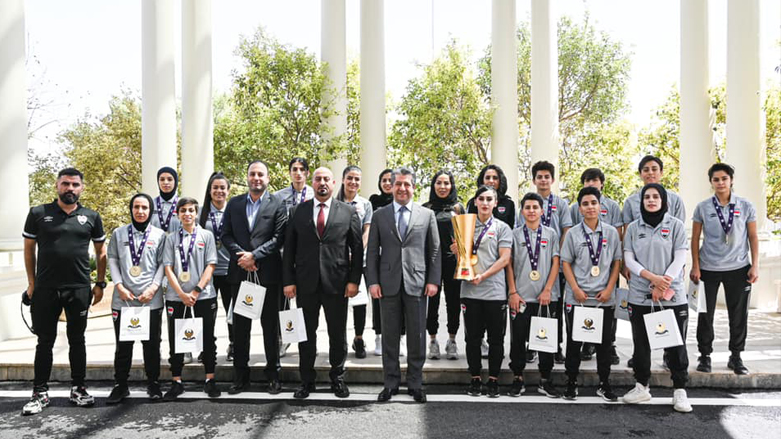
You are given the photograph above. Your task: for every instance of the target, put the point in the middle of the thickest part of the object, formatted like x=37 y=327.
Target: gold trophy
x=464 y=231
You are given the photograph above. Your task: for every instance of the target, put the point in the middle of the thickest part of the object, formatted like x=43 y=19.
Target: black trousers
x=519 y=327
x=242 y=326
x=677 y=358
x=560 y=315
x=452 y=293
x=481 y=316
x=47 y=305
x=123 y=352
x=572 y=363
x=205 y=309
x=359 y=317
x=335 y=307
x=737 y=292
x=222 y=287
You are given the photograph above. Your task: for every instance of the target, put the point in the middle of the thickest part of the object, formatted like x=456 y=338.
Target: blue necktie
x=402 y=224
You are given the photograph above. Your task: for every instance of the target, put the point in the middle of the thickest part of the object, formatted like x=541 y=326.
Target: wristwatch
x=101 y=284
x=198 y=289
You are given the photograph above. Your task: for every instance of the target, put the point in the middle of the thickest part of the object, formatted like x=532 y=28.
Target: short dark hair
x=532 y=196
x=71 y=172
x=301 y=160
x=403 y=170
x=486 y=188
x=591 y=174
x=589 y=191
x=647 y=159
x=257 y=161
x=543 y=165
x=185 y=201
x=716 y=167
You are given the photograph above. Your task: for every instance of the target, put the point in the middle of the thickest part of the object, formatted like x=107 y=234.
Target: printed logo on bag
x=661 y=329
x=543 y=243
x=665 y=232
x=82 y=219
x=542 y=334
x=188 y=335
x=170 y=310
x=247 y=300
x=624 y=304
x=501 y=209
x=114 y=315
x=695 y=293
x=588 y=325
x=289 y=326
x=134 y=323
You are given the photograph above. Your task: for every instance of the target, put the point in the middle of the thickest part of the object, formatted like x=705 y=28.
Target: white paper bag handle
x=184 y=313
x=547 y=311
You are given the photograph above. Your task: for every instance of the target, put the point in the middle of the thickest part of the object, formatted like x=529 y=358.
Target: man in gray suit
x=403 y=269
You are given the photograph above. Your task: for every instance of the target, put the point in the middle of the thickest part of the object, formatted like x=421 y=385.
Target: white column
x=373 y=153
x=745 y=127
x=13 y=125
x=504 y=92
x=158 y=99
x=197 y=121
x=544 y=84
x=333 y=51
x=696 y=137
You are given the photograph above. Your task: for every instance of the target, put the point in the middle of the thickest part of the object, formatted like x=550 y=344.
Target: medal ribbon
x=164 y=224
x=136 y=256
x=303 y=194
x=546 y=219
x=186 y=259
x=215 y=228
x=594 y=257
x=534 y=259
x=480 y=237
x=725 y=225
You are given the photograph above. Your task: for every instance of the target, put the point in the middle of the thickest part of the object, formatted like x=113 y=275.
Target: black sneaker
x=475 y=387
x=37 y=403
x=546 y=388
x=630 y=363
x=703 y=364
x=492 y=388
x=359 y=347
x=614 y=358
x=80 y=397
x=665 y=361
x=118 y=393
x=177 y=388
x=587 y=352
x=736 y=364
x=559 y=357
x=210 y=388
x=531 y=356
x=517 y=388
x=606 y=392
x=154 y=392
x=571 y=393
x=200 y=357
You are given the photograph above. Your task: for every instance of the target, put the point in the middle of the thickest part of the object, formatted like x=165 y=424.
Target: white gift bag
x=291 y=324
x=622 y=304
x=362 y=298
x=587 y=324
x=543 y=332
x=188 y=333
x=697 y=296
x=134 y=323
x=249 y=301
x=662 y=329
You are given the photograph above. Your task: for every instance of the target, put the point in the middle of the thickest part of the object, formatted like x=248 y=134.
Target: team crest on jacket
x=737 y=212
x=114 y=315
x=501 y=209
x=170 y=310
x=82 y=219
x=665 y=232
x=543 y=243
x=603 y=212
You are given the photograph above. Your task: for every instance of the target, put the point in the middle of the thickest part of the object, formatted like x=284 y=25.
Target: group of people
x=315 y=245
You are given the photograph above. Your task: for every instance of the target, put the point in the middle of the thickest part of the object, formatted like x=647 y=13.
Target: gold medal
x=473 y=260
x=135 y=271
x=184 y=276
x=595 y=270
x=534 y=275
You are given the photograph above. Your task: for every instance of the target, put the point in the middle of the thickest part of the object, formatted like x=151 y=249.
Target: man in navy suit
x=253 y=232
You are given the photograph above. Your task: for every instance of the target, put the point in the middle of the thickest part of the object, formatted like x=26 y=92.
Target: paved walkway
x=762 y=356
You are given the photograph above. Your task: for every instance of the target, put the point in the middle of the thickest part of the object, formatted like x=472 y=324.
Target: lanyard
x=164 y=224
x=135 y=257
x=303 y=194
x=725 y=225
x=534 y=259
x=215 y=228
x=186 y=259
x=546 y=219
x=594 y=256
x=480 y=237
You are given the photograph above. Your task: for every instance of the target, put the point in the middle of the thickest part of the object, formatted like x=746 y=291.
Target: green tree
x=773 y=143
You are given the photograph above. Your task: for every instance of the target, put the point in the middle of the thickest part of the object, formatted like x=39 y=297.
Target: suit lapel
x=331 y=215
x=264 y=205
x=243 y=206
x=413 y=215
x=310 y=210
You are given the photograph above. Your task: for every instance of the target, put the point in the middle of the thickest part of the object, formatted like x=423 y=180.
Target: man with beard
x=59 y=278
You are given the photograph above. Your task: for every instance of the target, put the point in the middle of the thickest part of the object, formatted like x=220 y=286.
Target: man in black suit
x=323 y=262
x=253 y=231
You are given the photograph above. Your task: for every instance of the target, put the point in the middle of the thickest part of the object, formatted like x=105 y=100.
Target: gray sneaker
x=451 y=349
x=283 y=349
x=433 y=350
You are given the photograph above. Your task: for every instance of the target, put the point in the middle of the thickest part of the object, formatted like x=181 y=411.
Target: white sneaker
x=283 y=347
x=638 y=394
x=451 y=349
x=433 y=349
x=484 y=349
x=681 y=401
x=403 y=346
x=37 y=403
x=188 y=358
x=378 y=346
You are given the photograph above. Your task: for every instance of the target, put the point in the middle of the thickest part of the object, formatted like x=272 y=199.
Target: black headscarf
x=168 y=170
x=141 y=226
x=381 y=199
x=502 y=191
x=653 y=218
x=436 y=203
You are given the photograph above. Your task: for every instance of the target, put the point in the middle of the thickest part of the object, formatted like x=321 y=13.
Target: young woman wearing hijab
x=382 y=199
x=165 y=204
x=655 y=250
x=443 y=200
x=217 y=192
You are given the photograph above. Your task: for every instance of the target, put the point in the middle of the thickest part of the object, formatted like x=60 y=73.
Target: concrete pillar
x=745 y=123
x=333 y=51
x=504 y=92
x=373 y=153
x=197 y=121
x=13 y=125
x=158 y=99
x=544 y=84
x=696 y=137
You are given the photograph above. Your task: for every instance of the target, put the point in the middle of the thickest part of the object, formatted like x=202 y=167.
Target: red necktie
x=321 y=220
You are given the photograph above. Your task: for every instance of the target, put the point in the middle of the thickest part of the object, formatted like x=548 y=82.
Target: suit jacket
x=264 y=239
x=309 y=259
x=412 y=262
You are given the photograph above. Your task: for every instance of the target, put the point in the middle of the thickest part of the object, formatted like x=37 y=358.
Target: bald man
x=322 y=266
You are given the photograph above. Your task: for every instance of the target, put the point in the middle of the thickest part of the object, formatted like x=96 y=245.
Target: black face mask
x=69 y=198
x=141 y=227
